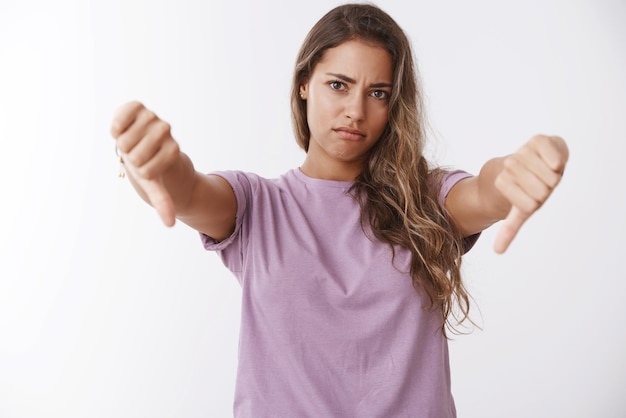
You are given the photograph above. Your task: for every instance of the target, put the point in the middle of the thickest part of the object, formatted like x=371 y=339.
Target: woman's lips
x=350 y=134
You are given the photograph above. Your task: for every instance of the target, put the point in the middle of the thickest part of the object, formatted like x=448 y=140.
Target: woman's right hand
x=148 y=151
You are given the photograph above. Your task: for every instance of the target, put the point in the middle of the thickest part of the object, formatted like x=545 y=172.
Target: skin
x=510 y=188
x=165 y=177
x=347 y=110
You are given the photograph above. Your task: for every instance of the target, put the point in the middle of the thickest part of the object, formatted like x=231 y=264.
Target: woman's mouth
x=350 y=134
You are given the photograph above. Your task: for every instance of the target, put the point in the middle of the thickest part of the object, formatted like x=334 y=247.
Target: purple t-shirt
x=329 y=326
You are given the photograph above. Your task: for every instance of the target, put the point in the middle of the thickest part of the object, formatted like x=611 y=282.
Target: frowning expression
x=347 y=99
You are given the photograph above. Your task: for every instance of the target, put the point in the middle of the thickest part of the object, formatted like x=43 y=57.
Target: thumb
x=510 y=226
x=160 y=199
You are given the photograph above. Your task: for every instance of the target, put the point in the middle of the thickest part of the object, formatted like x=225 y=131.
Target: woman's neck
x=331 y=170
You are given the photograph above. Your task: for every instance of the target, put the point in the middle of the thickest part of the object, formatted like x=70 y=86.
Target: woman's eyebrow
x=350 y=80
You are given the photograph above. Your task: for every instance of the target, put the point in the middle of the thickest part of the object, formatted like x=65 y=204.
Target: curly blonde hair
x=397 y=190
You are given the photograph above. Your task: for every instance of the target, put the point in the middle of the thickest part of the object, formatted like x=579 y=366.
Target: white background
x=106 y=313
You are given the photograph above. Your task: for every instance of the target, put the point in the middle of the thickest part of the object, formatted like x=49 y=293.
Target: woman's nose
x=355 y=108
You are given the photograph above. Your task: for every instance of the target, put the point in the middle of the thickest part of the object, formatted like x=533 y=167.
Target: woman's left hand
x=527 y=179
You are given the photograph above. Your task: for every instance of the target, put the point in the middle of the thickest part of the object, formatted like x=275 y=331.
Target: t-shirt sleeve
x=231 y=249
x=449 y=180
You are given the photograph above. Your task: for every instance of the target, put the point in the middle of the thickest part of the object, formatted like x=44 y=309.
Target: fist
x=144 y=140
x=148 y=151
x=527 y=179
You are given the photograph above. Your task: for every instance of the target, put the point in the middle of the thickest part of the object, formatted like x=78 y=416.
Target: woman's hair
x=398 y=192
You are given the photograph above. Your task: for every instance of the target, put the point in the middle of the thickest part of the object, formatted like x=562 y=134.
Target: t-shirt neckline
x=312 y=181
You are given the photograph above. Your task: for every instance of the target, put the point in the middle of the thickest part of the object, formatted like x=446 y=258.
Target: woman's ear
x=303 y=91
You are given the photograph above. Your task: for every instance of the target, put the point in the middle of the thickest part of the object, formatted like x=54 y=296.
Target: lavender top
x=329 y=326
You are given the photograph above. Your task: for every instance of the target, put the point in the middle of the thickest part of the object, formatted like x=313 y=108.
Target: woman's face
x=347 y=99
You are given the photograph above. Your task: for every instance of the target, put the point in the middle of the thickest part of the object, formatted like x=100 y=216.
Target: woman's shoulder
x=254 y=183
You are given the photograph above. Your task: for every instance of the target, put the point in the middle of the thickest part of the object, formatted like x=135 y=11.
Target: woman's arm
x=510 y=188
x=165 y=177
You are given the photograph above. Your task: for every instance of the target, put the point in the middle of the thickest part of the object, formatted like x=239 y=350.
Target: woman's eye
x=336 y=85
x=380 y=94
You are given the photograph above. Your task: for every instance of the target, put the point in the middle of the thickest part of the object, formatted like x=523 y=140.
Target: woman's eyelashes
x=380 y=94
x=340 y=86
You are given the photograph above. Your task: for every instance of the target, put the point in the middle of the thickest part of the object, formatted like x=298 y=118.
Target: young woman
x=349 y=264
